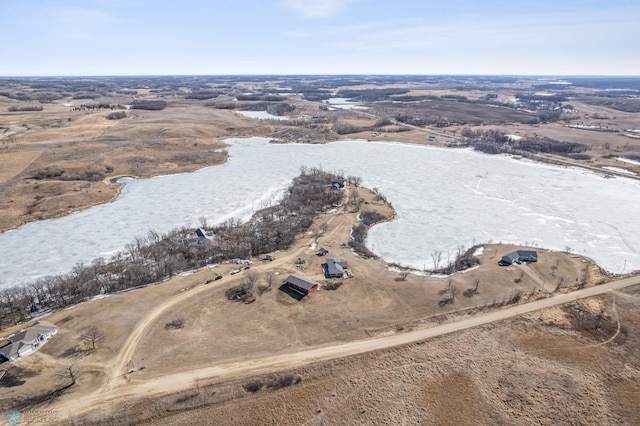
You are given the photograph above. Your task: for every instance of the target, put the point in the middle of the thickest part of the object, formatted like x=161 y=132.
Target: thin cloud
x=81 y=16
x=317 y=8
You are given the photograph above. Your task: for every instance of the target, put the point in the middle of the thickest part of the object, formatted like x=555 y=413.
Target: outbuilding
x=300 y=284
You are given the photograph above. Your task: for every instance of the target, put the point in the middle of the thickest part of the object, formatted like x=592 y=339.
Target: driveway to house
x=548 y=287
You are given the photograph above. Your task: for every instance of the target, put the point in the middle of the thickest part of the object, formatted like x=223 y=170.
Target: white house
x=28 y=340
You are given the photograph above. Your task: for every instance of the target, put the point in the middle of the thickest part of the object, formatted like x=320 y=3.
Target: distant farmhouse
x=334 y=268
x=338 y=183
x=200 y=233
x=301 y=285
x=27 y=341
x=519 y=256
x=201 y=238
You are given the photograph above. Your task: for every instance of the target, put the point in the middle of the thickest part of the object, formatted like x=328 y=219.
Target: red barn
x=300 y=284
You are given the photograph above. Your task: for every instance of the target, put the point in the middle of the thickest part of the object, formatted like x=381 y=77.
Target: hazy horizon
x=540 y=76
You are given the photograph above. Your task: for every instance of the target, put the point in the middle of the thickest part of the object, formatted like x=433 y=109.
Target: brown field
x=528 y=370
x=146 y=143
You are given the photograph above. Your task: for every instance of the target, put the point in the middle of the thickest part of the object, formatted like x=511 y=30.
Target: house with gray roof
x=334 y=268
x=26 y=341
x=338 y=183
x=519 y=256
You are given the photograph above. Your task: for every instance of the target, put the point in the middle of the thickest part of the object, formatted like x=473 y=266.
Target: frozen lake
x=444 y=198
x=261 y=115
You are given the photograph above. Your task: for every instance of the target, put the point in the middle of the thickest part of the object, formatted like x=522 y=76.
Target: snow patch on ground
x=628 y=160
x=619 y=170
x=261 y=115
x=344 y=103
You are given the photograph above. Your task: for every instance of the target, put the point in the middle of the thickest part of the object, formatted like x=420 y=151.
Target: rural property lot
x=232 y=335
x=554 y=342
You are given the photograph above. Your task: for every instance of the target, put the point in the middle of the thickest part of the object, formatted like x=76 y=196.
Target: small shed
x=323 y=251
x=300 y=284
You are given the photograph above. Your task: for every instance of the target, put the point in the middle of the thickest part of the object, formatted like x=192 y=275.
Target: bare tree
x=554 y=267
x=585 y=278
x=354 y=180
x=203 y=222
x=379 y=197
x=250 y=279
x=270 y=279
x=71 y=372
x=324 y=226
x=471 y=291
x=353 y=198
x=436 y=257
x=175 y=324
x=449 y=294
x=92 y=335
x=453 y=290
x=404 y=274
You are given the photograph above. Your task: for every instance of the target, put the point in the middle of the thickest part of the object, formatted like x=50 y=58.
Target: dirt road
x=188 y=379
x=120 y=365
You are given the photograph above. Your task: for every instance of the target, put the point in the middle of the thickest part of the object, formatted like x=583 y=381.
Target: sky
x=213 y=37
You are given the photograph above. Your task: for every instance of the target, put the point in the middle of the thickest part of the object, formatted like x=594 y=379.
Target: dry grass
x=146 y=143
x=13 y=164
x=515 y=372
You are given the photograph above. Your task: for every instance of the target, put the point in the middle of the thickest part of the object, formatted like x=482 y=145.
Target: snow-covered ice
x=444 y=198
x=619 y=170
x=261 y=115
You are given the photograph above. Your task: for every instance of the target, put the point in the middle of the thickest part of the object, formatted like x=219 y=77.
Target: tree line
x=156 y=257
x=495 y=142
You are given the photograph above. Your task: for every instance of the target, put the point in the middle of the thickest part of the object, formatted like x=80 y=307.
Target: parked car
x=215 y=278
